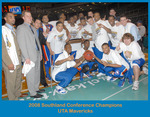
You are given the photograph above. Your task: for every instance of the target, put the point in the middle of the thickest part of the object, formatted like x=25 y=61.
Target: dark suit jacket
x=42 y=38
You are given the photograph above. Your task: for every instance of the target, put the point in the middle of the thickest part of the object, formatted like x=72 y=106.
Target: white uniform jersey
x=83 y=35
x=63 y=66
x=101 y=35
x=57 y=40
x=73 y=31
x=115 y=36
x=80 y=53
x=114 y=58
x=134 y=49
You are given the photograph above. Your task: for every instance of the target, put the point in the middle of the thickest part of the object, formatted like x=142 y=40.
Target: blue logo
x=15 y=9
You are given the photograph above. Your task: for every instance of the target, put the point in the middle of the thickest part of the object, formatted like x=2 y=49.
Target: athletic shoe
x=135 y=85
x=108 y=78
x=113 y=79
x=93 y=73
x=60 y=90
x=89 y=76
x=100 y=74
x=145 y=70
x=121 y=82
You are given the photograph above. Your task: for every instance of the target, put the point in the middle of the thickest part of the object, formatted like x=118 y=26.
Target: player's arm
x=70 y=58
x=78 y=60
x=100 y=61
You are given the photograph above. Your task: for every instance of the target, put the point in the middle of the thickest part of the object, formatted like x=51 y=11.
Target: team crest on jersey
x=129 y=52
x=60 y=37
x=109 y=61
x=97 y=30
x=73 y=34
x=84 y=34
x=114 y=34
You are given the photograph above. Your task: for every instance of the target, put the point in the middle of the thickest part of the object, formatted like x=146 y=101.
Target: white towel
x=27 y=67
x=69 y=63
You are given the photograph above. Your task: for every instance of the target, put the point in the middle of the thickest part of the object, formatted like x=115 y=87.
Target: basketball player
x=46 y=29
x=65 y=69
x=132 y=52
x=86 y=32
x=114 y=65
x=56 y=40
x=87 y=66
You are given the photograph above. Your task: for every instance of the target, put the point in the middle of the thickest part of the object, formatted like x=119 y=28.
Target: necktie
x=35 y=38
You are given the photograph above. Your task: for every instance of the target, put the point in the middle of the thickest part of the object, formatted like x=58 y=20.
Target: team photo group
x=87 y=44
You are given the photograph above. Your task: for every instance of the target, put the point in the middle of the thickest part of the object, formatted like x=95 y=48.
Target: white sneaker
x=145 y=70
x=108 y=78
x=135 y=85
x=100 y=74
x=60 y=90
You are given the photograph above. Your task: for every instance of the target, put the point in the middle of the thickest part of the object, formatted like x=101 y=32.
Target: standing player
x=102 y=31
x=132 y=52
x=56 y=40
x=115 y=31
x=46 y=28
x=114 y=65
x=127 y=27
x=86 y=32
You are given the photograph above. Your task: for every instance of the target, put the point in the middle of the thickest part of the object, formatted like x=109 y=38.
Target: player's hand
x=100 y=25
x=28 y=61
x=94 y=56
x=69 y=36
x=104 y=63
x=79 y=28
x=52 y=52
x=86 y=32
x=47 y=30
x=104 y=18
x=11 y=67
x=45 y=34
x=70 y=58
x=118 y=47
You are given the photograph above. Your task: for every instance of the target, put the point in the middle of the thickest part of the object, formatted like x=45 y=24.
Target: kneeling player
x=87 y=66
x=65 y=69
x=114 y=65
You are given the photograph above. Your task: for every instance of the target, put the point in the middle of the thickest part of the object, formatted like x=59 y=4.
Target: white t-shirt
x=114 y=58
x=62 y=67
x=115 y=36
x=135 y=50
x=101 y=35
x=57 y=40
x=80 y=53
x=73 y=31
x=88 y=28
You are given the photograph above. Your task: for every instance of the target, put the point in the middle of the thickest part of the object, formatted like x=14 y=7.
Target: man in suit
x=37 y=25
x=31 y=53
x=11 y=58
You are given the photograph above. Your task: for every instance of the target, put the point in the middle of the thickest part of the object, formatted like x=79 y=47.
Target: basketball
x=88 y=55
